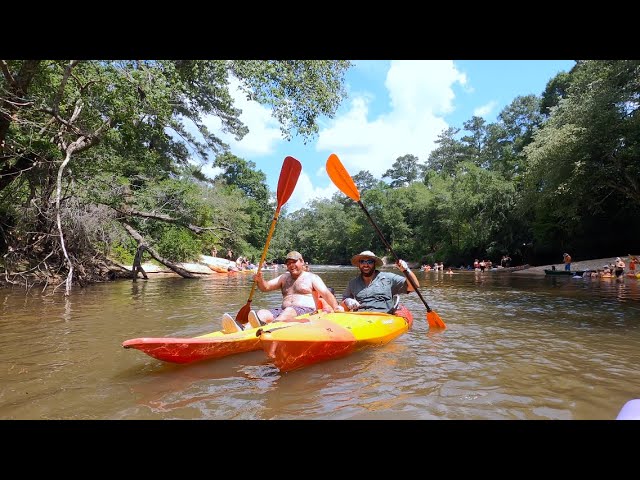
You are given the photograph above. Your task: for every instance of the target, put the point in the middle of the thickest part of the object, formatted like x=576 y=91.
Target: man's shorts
x=299 y=311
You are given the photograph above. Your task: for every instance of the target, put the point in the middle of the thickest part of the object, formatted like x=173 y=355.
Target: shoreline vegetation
x=201 y=269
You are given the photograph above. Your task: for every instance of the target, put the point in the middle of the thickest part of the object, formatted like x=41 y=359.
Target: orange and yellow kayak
x=330 y=335
x=313 y=338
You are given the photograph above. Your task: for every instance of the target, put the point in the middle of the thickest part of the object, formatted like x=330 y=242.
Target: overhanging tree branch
x=142 y=242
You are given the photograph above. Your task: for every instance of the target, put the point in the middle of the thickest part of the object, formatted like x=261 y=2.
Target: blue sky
x=393 y=108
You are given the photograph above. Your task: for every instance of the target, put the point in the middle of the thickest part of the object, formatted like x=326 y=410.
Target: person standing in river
x=566 y=258
x=619 y=267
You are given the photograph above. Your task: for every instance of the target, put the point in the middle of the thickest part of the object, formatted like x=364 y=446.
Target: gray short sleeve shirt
x=378 y=296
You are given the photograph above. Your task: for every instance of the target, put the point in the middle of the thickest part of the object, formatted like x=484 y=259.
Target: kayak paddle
x=289 y=174
x=341 y=178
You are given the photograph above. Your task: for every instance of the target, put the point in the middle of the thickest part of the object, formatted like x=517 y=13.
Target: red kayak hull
x=188 y=350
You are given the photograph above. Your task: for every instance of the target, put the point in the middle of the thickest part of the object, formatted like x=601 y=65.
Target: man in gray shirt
x=374 y=290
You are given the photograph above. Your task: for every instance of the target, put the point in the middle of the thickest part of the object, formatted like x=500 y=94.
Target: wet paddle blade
x=243 y=314
x=434 y=321
x=341 y=178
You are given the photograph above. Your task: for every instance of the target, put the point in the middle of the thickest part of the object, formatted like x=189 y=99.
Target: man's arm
x=404 y=268
x=272 y=284
x=319 y=285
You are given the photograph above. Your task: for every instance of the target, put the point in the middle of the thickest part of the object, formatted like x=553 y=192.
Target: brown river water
x=516 y=347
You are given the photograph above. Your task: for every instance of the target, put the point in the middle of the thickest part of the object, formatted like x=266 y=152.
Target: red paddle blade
x=243 y=314
x=341 y=178
x=289 y=174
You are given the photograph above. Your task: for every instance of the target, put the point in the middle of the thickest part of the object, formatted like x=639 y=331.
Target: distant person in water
x=619 y=267
x=566 y=258
x=633 y=261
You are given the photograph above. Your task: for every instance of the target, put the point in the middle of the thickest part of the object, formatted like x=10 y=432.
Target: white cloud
x=264 y=131
x=485 y=110
x=420 y=93
x=305 y=192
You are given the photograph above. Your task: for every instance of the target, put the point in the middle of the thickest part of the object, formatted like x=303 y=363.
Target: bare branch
x=7 y=74
x=59 y=222
x=63 y=83
x=166 y=218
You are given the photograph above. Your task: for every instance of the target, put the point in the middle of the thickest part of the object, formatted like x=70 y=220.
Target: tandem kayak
x=204 y=347
x=352 y=330
x=331 y=335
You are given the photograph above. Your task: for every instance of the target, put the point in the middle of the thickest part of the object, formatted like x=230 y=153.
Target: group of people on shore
x=478 y=265
x=305 y=292
x=617 y=269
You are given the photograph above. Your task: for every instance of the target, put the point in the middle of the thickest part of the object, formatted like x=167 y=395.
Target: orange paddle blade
x=341 y=178
x=434 y=321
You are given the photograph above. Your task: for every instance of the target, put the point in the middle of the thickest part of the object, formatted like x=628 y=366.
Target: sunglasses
x=367 y=261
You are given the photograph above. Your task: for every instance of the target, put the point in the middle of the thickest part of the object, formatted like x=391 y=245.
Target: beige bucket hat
x=366 y=254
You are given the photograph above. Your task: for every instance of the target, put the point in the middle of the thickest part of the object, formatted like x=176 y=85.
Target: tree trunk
x=141 y=242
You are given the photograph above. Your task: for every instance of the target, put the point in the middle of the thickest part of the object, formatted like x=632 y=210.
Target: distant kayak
x=217 y=264
x=510 y=269
x=564 y=272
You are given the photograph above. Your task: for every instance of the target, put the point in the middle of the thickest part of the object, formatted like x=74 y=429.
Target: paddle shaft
x=406 y=274
x=266 y=248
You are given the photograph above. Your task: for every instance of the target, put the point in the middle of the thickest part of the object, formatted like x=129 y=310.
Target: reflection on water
x=517 y=347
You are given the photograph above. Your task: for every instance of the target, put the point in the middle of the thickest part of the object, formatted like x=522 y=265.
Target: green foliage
x=132 y=129
x=528 y=185
x=179 y=245
x=123 y=252
x=449 y=152
x=298 y=91
x=403 y=171
x=365 y=181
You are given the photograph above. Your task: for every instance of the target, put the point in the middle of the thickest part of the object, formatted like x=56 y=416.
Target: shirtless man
x=297 y=286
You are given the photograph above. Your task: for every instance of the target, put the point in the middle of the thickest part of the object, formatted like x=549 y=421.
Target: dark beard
x=370 y=274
